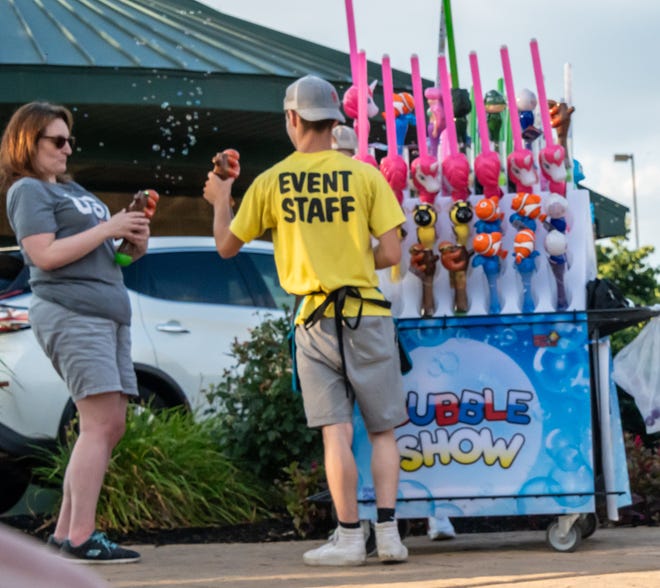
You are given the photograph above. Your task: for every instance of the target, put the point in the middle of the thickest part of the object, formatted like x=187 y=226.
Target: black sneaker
x=54 y=543
x=98 y=549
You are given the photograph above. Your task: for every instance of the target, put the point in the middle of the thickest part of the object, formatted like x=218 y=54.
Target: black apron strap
x=338 y=298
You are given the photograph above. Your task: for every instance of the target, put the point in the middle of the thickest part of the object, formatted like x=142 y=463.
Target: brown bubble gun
x=143 y=201
x=226 y=164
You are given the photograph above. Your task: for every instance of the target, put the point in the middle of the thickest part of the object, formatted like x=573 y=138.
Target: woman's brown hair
x=18 y=148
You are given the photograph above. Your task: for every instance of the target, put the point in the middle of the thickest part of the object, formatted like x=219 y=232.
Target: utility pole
x=631 y=157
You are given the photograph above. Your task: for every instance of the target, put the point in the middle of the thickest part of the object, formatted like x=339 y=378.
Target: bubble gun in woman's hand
x=143 y=201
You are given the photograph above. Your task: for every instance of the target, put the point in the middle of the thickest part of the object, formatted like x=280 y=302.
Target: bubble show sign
x=499 y=418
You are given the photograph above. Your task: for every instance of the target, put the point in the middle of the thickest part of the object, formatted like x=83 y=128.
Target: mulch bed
x=283 y=529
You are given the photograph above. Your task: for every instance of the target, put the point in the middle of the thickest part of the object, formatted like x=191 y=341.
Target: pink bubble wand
x=363 y=118
x=455 y=167
x=551 y=157
x=521 y=161
x=551 y=162
x=352 y=38
x=350 y=99
x=425 y=169
x=487 y=163
x=392 y=166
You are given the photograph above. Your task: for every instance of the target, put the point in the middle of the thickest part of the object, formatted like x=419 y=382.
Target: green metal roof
x=158 y=86
x=163 y=34
x=179 y=35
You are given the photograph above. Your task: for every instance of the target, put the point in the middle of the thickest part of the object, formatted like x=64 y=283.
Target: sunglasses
x=60 y=141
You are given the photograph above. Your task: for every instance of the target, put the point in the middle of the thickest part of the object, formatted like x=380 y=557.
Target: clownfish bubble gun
x=143 y=201
x=489 y=214
x=524 y=244
x=489 y=244
x=525 y=252
x=526 y=210
x=488 y=257
x=404 y=116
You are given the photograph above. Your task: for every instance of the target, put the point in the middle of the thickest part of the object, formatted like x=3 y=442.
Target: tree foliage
x=630 y=270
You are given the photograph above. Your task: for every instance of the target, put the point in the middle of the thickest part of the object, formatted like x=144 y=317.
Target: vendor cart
x=509 y=414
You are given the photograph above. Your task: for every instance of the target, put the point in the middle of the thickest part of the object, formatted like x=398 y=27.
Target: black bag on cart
x=604 y=294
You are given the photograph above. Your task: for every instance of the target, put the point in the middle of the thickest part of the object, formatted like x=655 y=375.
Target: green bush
x=301 y=483
x=167 y=472
x=261 y=420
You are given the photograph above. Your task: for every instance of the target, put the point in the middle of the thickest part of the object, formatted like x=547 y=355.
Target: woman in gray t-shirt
x=80 y=311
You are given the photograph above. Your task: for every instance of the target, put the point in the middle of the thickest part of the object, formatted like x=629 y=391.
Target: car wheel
x=155 y=397
x=14 y=482
x=68 y=422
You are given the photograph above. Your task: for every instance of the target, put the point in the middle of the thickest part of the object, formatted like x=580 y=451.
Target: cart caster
x=564 y=536
x=588 y=524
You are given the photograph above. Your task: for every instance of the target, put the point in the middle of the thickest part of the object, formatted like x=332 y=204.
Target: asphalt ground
x=610 y=558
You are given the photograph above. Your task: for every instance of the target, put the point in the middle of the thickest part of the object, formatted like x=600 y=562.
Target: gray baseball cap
x=313 y=99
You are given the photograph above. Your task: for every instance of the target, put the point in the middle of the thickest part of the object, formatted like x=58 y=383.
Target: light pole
x=631 y=157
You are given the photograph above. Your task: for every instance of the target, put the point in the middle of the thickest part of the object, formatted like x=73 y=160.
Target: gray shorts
x=91 y=354
x=373 y=367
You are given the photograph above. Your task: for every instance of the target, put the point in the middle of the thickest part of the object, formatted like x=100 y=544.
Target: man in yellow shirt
x=323 y=209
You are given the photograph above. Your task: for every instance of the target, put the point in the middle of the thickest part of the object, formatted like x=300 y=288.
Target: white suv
x=188 y=304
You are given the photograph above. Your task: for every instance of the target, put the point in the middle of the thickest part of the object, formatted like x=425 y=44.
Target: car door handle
x=172 y=327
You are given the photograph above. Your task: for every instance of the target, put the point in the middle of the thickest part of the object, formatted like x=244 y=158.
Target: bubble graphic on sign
x=538 y=495
x=564 y=450
x=485 y=427
x=444 y=363
x=576 y=486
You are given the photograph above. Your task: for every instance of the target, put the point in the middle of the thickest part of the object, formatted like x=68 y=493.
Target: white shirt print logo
x=89 y=205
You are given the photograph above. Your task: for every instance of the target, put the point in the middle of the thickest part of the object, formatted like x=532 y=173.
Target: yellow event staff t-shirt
x=322 y=209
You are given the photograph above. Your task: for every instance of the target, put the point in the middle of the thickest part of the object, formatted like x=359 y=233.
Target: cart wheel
x=567 y=543
x=588 y=524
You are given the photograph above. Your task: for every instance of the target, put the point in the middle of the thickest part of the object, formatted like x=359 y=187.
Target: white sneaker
x=345 y=548
x=440 y=528
x=388 y=541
